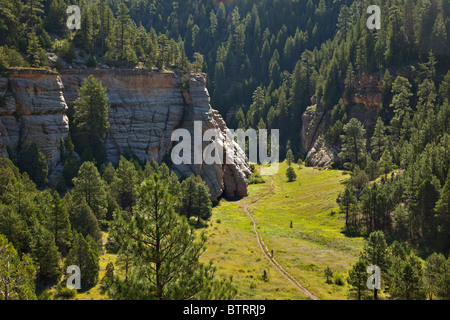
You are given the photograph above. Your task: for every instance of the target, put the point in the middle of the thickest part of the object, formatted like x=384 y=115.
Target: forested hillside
x=372 y=102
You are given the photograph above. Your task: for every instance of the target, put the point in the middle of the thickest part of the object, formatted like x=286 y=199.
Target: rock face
x=365 y=101
x=145 y=108
x=318 y=152
x=32 y=110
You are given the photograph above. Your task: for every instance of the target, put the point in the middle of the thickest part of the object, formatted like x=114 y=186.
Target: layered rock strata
x=145 y=108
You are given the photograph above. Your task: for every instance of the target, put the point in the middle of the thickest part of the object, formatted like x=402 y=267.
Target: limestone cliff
x=145 y=108
x=366 y=99
x=32 y=110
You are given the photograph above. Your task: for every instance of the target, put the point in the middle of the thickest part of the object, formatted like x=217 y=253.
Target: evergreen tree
x=434 y=272
x=84 y=254
x=34 y=163
x=379 y=140
x=289 y=157
x=91 y=109
x=357 y=278
x=195 y=198
x=376 y=253
x=353 y=142
x=290 y=174
x=346 y=205
x=58 y=222
x=408 y=283
x=89 y=187
x=84 y=221
x=165 y=252
x=46 y=255
x=16 y=274
x=125 y=179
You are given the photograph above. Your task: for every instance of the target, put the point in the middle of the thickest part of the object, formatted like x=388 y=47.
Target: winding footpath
x=268 y=254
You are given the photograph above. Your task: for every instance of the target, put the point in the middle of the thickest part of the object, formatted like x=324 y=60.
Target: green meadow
x=314 y=242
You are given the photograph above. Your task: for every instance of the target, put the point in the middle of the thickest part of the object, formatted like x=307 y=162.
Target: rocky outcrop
x=145 y=108
x=231 y=178
x=368 y=91
x=366 y=99
x=318 y=152
x=32 y=110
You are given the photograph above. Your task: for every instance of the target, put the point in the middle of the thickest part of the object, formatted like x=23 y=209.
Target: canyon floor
x=314 y=242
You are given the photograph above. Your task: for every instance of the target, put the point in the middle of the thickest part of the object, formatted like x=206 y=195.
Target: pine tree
x=348 y=200
x=443 y=216
x=401 y=88
x=58 y=221
x=91 y=109
x=46 y=255
x=16 y=275
x=84 y=221
x=165 y=252
x=32 y=10
x=408 y=284
x=122 y=187
x=84 y=254
x=89 y=187
x=379 y=140
x=123 y=18
x=357 y=278
x=434 y=271
x=353 y=142
x=34 y=163
x=376 y=253
x=289 y=157
x=195 y=198
x=290 y=174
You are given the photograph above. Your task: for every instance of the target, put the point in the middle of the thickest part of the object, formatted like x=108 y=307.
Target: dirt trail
x=267 y=252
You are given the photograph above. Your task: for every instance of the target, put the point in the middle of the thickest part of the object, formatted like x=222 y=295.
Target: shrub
x=290 y=174
x=64 y=292
x=91 y=62
x=255 y=179
x=339 y=281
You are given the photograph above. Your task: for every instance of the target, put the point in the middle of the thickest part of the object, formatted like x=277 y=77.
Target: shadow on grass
x=196 y=224
x=353 y=233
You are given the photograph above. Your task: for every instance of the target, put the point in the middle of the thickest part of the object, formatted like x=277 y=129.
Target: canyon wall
x=145 y=108
x=32 y=109
x=365 y=101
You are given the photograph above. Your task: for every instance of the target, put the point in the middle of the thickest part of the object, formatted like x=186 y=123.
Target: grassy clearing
x=314 y=242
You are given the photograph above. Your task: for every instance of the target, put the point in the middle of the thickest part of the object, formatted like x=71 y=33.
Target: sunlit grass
x=314 y=242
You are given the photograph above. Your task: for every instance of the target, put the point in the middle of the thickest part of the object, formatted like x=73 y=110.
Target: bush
x=255 y=179
x=91 y=62
x=10 y=58
x=63 y=292
x=339 y=281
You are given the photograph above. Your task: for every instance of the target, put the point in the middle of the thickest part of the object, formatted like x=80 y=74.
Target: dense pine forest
x=267 y=63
